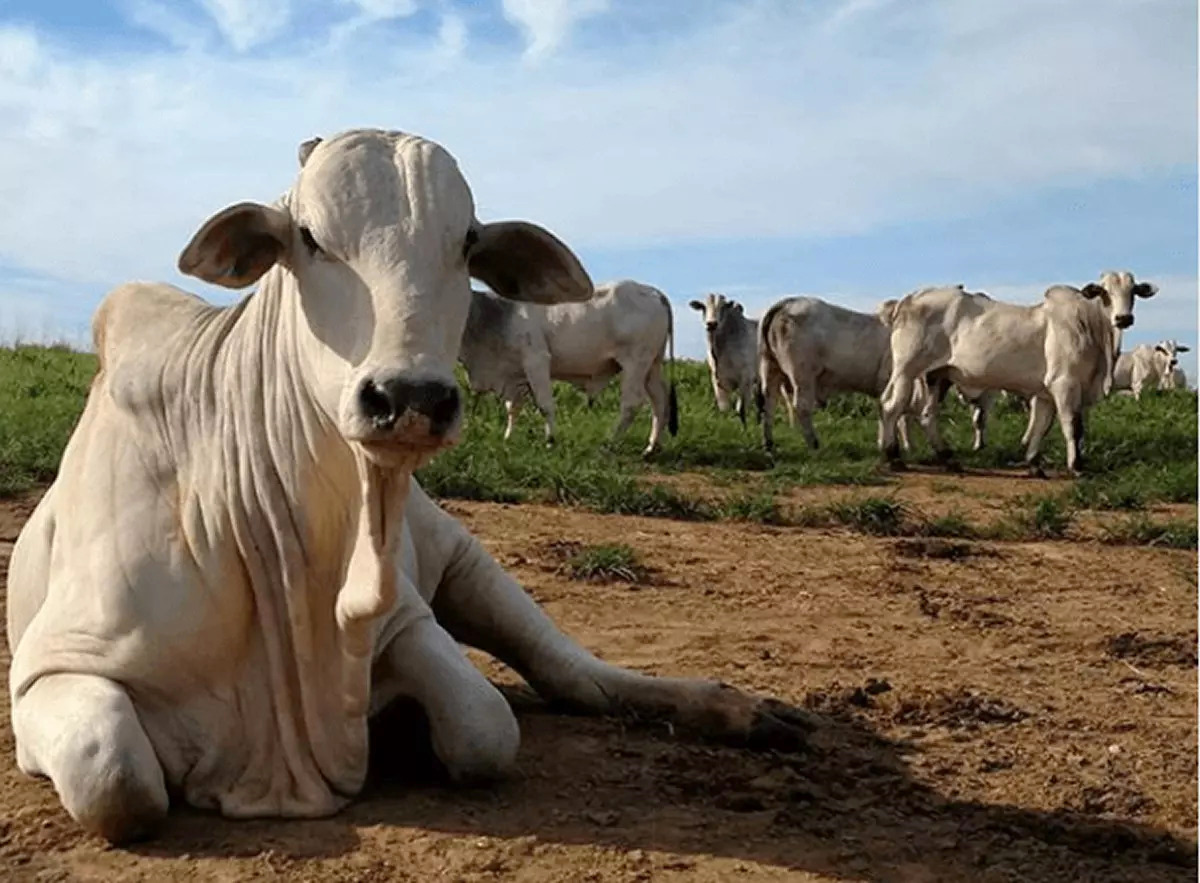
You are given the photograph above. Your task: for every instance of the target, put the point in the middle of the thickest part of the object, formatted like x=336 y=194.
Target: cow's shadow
x=846 y=806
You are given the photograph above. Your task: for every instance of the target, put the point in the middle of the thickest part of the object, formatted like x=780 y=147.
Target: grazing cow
x=1148 y=367
x=514 y=349
x=818 y=349
x=1059 y=352
x=234 y=567
x=732 y=351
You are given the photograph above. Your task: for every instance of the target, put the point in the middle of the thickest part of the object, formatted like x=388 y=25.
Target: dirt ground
x=989 y=711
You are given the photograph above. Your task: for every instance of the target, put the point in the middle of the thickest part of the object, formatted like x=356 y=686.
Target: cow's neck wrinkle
x=294 y=501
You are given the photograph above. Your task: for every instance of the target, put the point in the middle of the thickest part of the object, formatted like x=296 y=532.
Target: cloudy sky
x=853 y=149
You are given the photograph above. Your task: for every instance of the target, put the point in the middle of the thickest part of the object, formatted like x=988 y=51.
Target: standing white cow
x=235 y=568
x=732 y=351
x=1059 y=352
x=514 y=349
x=1148 y=367
x=815 y=349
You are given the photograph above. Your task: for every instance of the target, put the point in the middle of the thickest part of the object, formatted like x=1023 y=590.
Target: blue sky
x=851 y=149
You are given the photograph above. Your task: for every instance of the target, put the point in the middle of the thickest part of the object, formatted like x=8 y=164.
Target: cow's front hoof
x=777 y=726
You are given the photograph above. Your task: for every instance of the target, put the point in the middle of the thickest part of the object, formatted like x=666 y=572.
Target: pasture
x=1001 y=669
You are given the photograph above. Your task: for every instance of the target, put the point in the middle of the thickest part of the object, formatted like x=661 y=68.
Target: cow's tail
x=766 y=357
x=672 y=396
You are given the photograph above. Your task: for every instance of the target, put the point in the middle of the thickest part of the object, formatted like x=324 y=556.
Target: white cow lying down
x=514 y=349
x=234 y=568
x=1149 y=367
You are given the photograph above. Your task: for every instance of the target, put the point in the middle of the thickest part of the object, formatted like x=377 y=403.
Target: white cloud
x=755 y=119
x=548 y=23
x=249 y=23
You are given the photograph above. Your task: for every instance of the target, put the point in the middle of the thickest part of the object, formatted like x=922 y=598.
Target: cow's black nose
x=1123 y=321
x=384 y=402
x=711 y=326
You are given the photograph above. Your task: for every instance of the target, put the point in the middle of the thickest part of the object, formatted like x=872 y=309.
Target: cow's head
x=379 y=232
x=1168 y=351
x=1116 y=290
x=716 y=309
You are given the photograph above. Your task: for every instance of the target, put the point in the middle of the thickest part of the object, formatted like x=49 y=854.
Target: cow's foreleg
x=542 y=390
x=471 y=725
x=1070 y=420
x=83 y=732
x=980 y=406
x=484 y=607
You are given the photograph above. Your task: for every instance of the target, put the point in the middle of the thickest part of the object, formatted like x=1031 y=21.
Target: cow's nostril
x=377 y=406
x=1123 y=321
x=711 y=326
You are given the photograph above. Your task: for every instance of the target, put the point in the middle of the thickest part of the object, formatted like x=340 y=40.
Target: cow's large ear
x=737 y=308
x=1145 y=289
x=523 y=261
x=696 y=305
x=1180 y=348
x=1092 y=290
x=237 y=245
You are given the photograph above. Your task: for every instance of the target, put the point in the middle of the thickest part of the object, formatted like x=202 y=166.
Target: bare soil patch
x=986 y=712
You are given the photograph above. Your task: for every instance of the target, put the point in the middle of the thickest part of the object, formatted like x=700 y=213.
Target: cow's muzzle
x=388 y=403
x=710 y=327
x=1123 y=321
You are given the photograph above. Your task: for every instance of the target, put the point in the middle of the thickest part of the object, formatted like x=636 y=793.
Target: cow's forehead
x=361 y=181
x=1117 y=281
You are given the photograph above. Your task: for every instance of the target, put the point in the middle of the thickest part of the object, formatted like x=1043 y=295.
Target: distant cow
x=732 y=351
x=1059 y=352
x=515 y=349
x=819 y=349
x=1148 y=367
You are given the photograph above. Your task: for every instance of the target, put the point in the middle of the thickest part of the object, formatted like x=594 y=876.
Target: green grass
x=606 y=563
x=1137 y=529
x=42 y=390
x=1139 y=453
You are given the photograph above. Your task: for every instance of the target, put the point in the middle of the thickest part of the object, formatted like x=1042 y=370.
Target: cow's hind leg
x=484 y=607
x=633 y=392
x=83 y=733
x=1041 y=414
x=656 y=389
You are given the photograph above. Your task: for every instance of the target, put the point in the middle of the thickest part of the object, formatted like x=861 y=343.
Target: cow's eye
x=307 y=238
x=469 y=242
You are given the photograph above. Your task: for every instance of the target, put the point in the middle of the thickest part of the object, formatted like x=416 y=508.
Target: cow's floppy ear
x=237 y=245
x=522 y=261
x=1145 y=289
x=306 y=148
x=1180 y=348
x=696 y=305
x=1092 y=290
x=738 y=309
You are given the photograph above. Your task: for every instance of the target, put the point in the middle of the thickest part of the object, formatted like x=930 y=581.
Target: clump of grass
x=877 y=516
x=1140 y=530
x=953 y=525
x=606 y=563
x=1044 y=517
x=761 y=508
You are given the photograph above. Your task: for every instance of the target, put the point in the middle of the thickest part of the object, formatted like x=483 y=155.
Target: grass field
x=1139 y=454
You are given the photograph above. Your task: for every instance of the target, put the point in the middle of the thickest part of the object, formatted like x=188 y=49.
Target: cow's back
x=843 y=349
x=623 y=321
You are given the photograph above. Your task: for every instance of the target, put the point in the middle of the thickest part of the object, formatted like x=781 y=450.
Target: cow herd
x=235 y=567
x=1059 y=356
